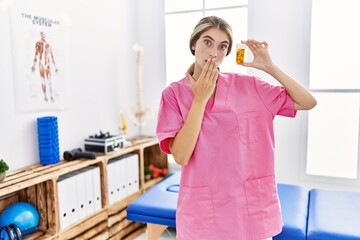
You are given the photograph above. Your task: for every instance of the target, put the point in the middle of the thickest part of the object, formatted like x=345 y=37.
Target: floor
x=168 y=234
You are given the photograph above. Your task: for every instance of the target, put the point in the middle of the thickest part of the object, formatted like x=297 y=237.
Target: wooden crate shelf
x=83 y=226
x=37 y=185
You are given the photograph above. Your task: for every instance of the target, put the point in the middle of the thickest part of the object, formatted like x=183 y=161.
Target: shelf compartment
x=41 y=196
x=84 y=226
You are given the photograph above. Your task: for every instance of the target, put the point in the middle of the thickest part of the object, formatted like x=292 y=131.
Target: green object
x=147 y=170
x=147 y=173
x=3 y=166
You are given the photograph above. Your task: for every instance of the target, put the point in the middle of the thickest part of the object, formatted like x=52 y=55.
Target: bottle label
x=240 y=53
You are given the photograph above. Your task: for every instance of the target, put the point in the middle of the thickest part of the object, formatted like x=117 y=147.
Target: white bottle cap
x=240 y=45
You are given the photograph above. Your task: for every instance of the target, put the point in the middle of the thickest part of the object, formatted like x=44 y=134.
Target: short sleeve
x=169 y=120
x=275 y=98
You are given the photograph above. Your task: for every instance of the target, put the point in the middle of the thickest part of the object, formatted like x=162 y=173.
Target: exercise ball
x=23 y=214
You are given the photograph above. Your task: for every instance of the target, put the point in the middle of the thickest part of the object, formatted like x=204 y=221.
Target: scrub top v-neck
x=228 y=188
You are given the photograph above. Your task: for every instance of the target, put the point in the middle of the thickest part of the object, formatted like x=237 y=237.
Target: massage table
x=334 y=215
x=294 y=209
x=157 y=208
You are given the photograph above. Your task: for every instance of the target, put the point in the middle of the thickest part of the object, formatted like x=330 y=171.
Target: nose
x=213 y=53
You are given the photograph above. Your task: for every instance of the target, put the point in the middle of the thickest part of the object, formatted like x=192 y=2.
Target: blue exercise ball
x=23 y=214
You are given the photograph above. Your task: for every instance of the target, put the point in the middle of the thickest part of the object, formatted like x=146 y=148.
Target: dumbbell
x=11 y=232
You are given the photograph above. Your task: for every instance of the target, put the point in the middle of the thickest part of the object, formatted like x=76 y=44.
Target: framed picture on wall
x=39 y=41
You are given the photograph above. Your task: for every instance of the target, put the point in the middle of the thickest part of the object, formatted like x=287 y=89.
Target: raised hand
x=204 y=86
x=262 y=59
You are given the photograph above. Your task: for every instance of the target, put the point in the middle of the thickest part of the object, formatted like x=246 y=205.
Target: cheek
x=221 y=58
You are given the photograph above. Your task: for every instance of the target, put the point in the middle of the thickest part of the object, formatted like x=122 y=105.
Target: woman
x=219 y=128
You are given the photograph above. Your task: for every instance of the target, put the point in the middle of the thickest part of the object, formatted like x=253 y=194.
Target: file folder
x=123 y=177
x=89 y=191
x=96 y=189
x=111 y=171
x=81 y=194
x=67 y=200
x=132 y=173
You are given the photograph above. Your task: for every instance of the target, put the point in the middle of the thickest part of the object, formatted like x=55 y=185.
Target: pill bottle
x=240 y=53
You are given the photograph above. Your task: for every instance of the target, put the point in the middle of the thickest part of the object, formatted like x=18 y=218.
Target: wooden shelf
x=37 y=185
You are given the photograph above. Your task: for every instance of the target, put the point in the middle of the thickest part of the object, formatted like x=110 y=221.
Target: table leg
x=153 y=231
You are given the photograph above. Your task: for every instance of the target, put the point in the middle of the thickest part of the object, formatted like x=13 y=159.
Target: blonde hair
x=205 y=24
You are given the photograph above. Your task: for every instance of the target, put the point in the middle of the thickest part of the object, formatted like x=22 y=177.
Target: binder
x=72 y=194
x=121 y=179
x=96 y=189
x=81 y=194
x=67 y=200
x=136 y=173
x=89 y=191
x=132 y=173
x=117 y=185
x=111 y=176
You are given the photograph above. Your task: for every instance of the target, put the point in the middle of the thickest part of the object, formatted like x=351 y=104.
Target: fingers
x=255 y=45
x=206 y=73
x=204 y=86
x=209 y=73
x=211 y=70
x=261 y=57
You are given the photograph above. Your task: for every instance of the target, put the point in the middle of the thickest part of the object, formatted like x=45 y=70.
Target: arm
x=183 y=144
x=302 y=97
x=262 y=61
x=35 y=57
x=53 y=60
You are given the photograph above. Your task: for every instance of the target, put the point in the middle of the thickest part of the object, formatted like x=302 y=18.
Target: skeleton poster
x=39 y=50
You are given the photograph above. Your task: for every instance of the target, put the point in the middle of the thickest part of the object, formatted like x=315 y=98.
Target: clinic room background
x=101 y=76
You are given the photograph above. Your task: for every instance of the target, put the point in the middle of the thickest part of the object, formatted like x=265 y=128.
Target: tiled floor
x=168 y=234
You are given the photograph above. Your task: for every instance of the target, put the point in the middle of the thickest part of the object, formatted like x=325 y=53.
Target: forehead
x=216 y=34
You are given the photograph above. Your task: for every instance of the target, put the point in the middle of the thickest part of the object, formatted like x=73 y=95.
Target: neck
x=196 y=72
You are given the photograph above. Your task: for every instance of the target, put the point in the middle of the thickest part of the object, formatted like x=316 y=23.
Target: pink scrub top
x=227 y=189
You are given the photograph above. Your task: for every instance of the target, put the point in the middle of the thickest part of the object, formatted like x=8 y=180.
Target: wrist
x=199 y=103
x=271 y=69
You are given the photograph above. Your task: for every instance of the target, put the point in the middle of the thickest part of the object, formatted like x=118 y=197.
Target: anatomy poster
x=39 y=42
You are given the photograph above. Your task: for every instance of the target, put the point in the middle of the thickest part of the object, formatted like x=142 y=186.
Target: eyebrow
x=207 y=36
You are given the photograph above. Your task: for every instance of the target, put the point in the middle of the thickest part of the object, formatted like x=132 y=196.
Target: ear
x=193 y=49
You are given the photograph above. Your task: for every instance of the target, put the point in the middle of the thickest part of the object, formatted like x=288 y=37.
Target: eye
x=223 y=47
x=207 y=42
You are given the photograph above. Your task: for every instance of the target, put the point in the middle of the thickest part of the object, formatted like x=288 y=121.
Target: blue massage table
x=294 y=209
x=157 y=208
x=315 y=215
x=334 y=215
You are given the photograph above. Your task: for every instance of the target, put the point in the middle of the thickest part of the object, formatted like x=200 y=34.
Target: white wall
x=101 y=77
x=285 y=25
x=151 y=35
